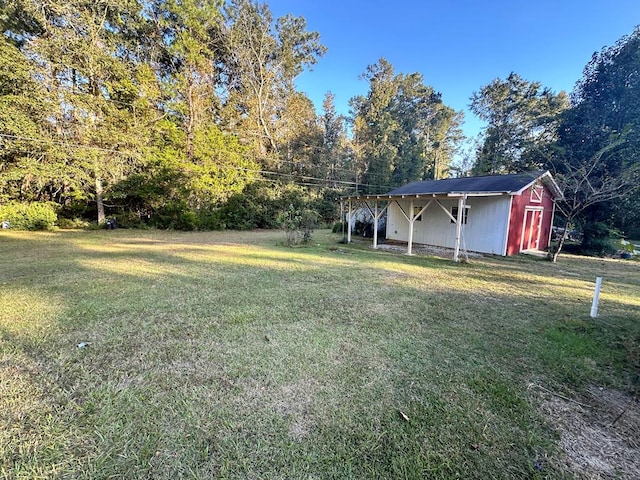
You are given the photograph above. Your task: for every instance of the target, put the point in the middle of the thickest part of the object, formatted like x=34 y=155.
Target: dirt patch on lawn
x=600 y=433
x=430 y=250
x=295 y=402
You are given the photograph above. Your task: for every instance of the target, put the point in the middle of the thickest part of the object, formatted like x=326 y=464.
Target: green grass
x=229 y=355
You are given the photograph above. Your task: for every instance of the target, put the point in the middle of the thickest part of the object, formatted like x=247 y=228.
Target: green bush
x=259 y=205
x=175 y=215
x=209 y=218
x=29 y=216
x=130 y=220
x=72 y=223
x=298 y=224
x=242 y=211
x=598 y=239
x=328 y=206
x=339 y=227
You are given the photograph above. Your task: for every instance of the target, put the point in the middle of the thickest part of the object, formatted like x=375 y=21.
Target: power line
x=305 y=177
x=223 y=167
x=298 y=163
x=68 y=145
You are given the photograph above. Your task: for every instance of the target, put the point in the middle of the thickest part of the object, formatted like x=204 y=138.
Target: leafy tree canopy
x=597 y=156
x=521 y=121
x=402 y=129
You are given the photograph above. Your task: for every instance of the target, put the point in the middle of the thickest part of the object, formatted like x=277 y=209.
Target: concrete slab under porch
x=396 y=246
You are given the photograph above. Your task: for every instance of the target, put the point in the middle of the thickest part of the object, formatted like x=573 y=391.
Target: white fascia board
x=548 y=180
x=477 y=194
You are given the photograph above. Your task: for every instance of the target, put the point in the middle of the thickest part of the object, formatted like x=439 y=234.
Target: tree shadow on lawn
x=169 y=264
x=398 y=346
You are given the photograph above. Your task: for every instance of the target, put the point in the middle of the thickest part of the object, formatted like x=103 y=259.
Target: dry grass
x=599 y=436
x=229 y=355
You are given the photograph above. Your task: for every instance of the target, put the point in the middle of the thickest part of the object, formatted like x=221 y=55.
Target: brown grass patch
x=600 y=434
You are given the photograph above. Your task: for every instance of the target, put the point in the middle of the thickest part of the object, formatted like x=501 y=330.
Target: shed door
x=531 y=229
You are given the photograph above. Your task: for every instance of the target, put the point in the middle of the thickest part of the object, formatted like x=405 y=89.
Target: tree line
x=185 y=114
x=589 y=140
x=165 y=110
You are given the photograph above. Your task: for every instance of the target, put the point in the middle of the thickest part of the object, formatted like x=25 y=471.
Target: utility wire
x=298 y=163
x=90 y=147
x=303 y=177
x=223 y=167
x=55 y=142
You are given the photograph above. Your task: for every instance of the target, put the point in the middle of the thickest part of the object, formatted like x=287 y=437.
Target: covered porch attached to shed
x=413 y=208
x=494 y=214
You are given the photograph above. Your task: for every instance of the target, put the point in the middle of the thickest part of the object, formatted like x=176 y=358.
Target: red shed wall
x=519 y=206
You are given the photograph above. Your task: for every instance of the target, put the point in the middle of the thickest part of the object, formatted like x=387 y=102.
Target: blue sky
x=457 y=45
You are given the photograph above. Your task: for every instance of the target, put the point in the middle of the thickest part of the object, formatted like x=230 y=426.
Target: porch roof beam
x=380 y=212
x=445 y=210
x=402 y=210
x=424 y=208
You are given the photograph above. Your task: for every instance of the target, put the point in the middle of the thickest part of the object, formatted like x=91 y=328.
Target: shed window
x=454 y=214
x=416 y=211
x=536 y=194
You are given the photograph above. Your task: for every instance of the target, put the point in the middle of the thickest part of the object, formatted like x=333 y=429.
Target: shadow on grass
x=245 y=360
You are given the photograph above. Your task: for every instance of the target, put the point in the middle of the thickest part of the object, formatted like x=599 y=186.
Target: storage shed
x=498 y=214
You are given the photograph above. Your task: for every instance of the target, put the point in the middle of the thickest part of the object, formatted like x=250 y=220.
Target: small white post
x=596 y=298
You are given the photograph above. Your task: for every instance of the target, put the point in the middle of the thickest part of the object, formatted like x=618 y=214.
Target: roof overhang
x=546 y=178
x=425 y=195
x=549 y=181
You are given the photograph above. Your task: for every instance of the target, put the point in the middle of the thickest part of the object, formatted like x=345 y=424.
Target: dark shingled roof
x=488 y=184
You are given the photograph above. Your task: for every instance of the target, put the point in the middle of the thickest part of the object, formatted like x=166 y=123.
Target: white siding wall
x=485 y=231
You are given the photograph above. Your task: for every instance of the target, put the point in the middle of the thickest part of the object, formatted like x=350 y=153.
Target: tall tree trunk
x=553 y=255
x=99 y=200
x=191 y=119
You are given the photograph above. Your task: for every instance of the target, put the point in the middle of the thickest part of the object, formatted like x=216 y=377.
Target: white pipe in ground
x=596 y=298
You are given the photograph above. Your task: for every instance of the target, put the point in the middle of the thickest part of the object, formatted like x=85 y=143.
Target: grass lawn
x=229 y=355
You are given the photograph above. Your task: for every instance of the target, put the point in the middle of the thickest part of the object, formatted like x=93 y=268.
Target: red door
x=531 y=230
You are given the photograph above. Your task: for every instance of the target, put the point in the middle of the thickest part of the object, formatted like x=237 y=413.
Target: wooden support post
x=344 y=232
x=375 y=224
x=459 y=220
x=349 y=223
x=411 y=218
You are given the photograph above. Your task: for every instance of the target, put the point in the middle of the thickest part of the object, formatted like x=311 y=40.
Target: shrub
x=260 y=206
x=598 y=239
x=298 y=224
x=210 y=218
x=130 y=220
x=29 y=216
x=328 y=206
x=72 y=223
x=241 y=212
x=339 y=227
x=175 y=215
